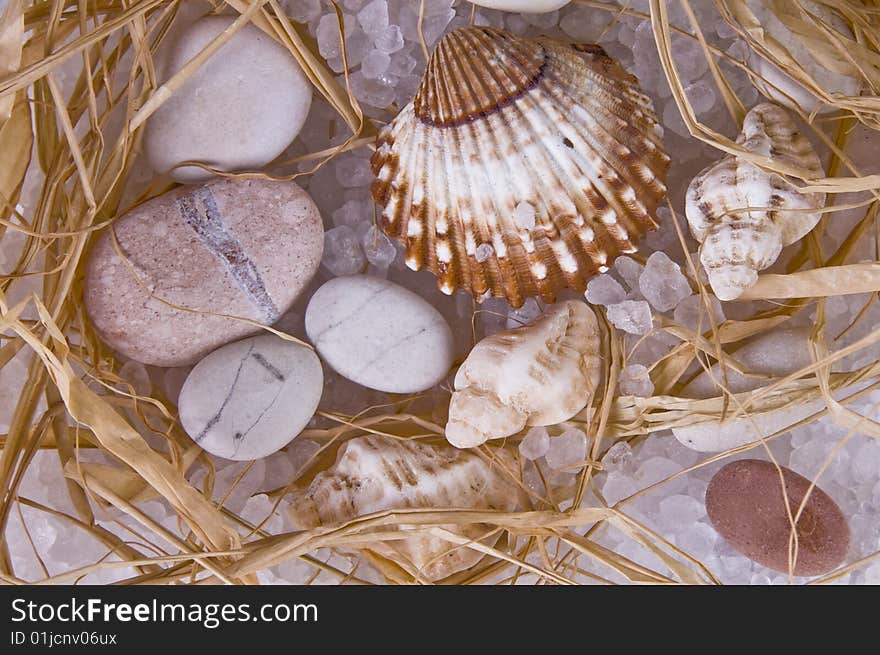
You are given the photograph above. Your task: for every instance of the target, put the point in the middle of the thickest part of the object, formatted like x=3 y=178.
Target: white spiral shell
x=736 y=243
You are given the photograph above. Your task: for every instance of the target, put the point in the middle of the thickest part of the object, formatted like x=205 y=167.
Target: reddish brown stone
x=746 y=506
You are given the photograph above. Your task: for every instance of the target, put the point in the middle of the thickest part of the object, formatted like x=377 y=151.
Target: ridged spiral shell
x=505 y=131
x=737 y=244
x=374 y=473
x=539 y=374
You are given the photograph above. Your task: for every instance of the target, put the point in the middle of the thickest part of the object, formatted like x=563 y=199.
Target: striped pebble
x=237 y=247
x=250 y=398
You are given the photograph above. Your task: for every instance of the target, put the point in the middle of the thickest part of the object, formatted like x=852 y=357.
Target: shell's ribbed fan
x=522 y=167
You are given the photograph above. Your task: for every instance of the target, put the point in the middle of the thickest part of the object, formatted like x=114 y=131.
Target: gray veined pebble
x=238 y=111
x=373 y=474
x=736 y=243
x=379 y=334
x=251 y=398
x=540 y=374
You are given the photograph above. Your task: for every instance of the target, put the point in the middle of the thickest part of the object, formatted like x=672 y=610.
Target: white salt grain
x=701 y=95
x=342 y=252
x=662 y=282
x=329 y=43
x=633 y=316
x=352 y=213
x=484 y=251
x=524 y=216
x=679 y=510
x=378 y=248
x=630 y=270
x=524 y=315
x=374 y=64
x=302 y=11
x=373 y=18
x=566 y=450
x=604 y=290
x=697 y=540
x=389 y=41
x=618 y=458
x=635 y=381
x=692 y=313
x=136 y=375
x=353 y=172
x=535 y=444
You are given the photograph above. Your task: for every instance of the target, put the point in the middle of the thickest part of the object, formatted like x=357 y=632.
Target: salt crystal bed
x=661 y=483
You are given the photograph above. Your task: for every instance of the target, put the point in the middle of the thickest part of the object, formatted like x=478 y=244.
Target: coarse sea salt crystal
x=373 y=92
x=662 y=282
x=484 y=251
x=630 y=270
x=302 y=11
x=679 y=510
x=618 y=458
x=567 y=450
x=604 y=290
x=692 y=313
x=136 y=375
x=352 y=213
x=373 y=18
x=327 y=34
x=353 y=172
x=374 y=64
x=524 y=215
x=342 y=252
x=535 y=444
x=378 y=248
x=633 y=316
x=524 y=315
x=635 y=381
x=389 y=41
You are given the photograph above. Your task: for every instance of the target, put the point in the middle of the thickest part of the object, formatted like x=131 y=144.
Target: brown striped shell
x=375 y=473
x=521 y=168
x=738 y=244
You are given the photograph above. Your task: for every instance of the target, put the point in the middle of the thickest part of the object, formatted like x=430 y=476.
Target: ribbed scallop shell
x=506 y=126
x=373 y=473
x=737 y=244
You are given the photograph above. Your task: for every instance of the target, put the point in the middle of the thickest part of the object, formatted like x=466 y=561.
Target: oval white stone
x=524 y=6
x=238 y=111
x=776 y=84
x=250 y=398
x=380 y=335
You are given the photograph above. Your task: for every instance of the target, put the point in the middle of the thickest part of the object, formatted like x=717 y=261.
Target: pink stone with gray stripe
x=188 y=265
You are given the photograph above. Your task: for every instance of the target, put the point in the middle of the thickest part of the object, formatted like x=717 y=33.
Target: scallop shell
x=737 y=244
x=521 y=168
x=540 y=374
x=373 y=474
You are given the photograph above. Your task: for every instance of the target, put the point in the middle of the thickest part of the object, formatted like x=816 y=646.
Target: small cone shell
x=737 y=244
x=521 y=168
x=372 y=474
x=540 y=374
